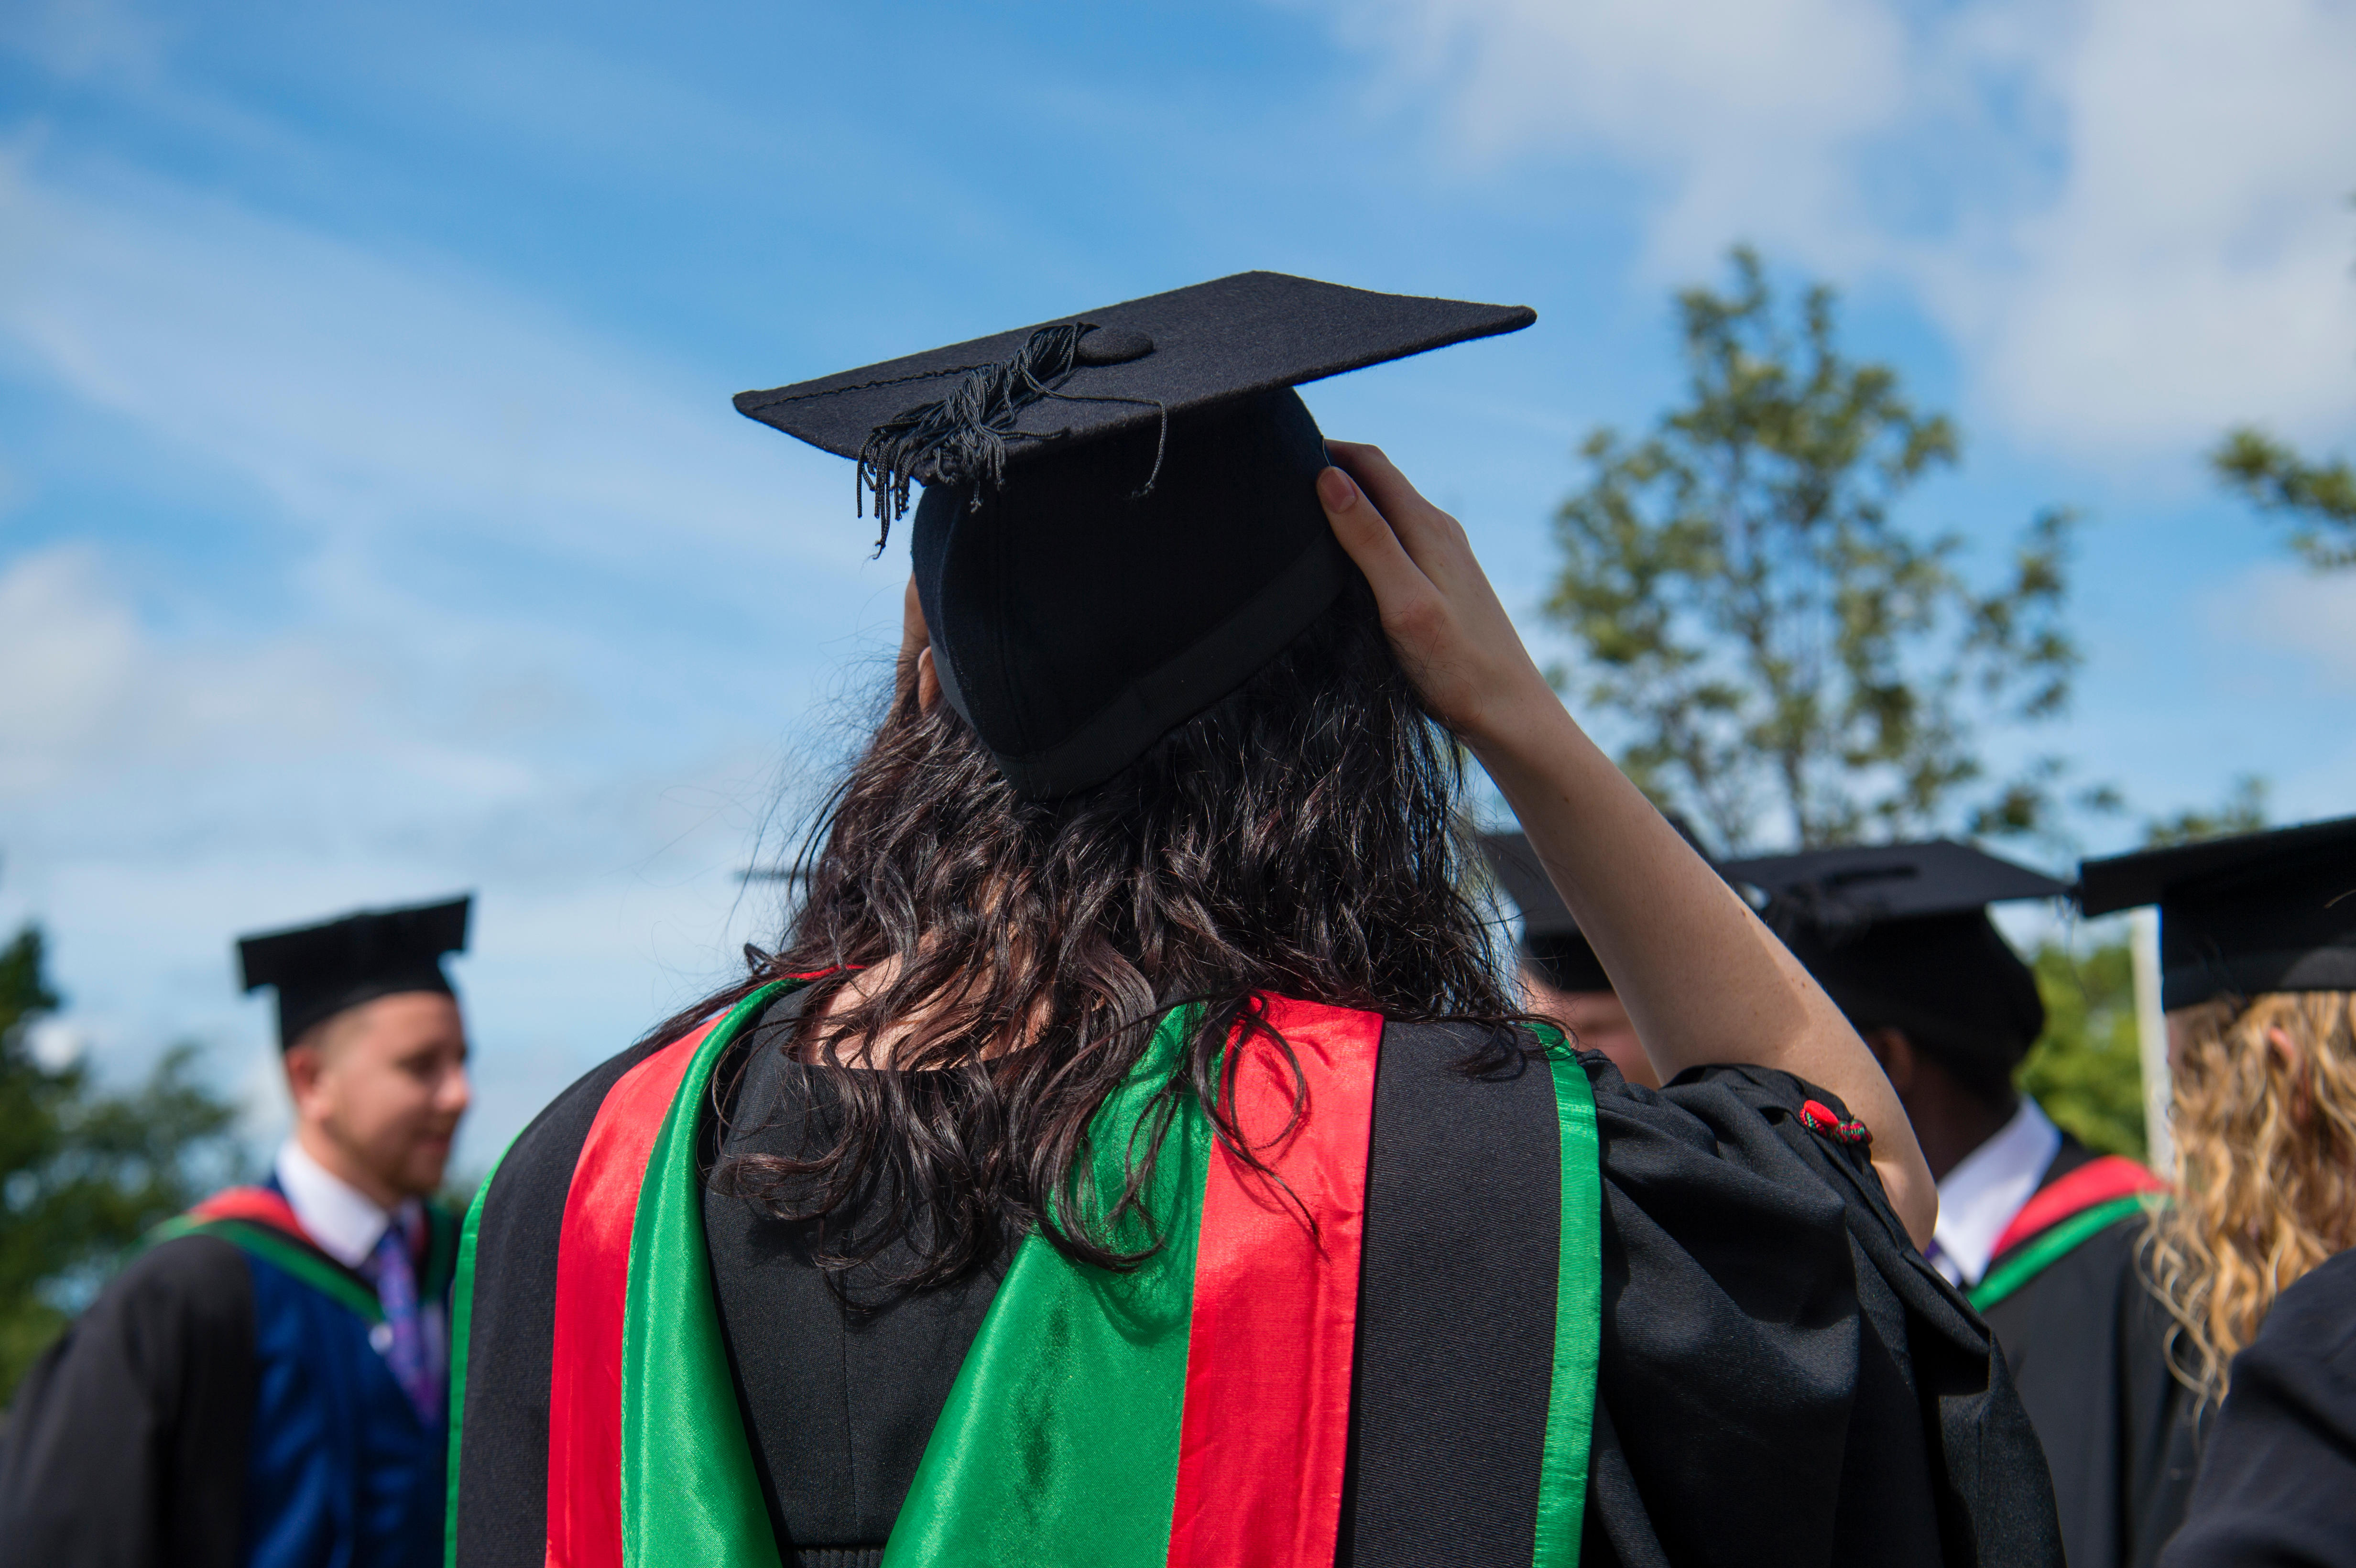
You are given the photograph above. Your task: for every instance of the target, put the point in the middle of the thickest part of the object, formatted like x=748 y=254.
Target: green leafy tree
x=2319 y=499
x=2085 y=1070
x=83 y=1173
x=2243 y=811
x=1780 y=645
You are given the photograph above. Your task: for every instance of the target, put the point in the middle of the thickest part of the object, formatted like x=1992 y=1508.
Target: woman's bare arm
x=1702 y=979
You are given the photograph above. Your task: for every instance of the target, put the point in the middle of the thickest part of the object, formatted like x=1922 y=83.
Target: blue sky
x=373 y=523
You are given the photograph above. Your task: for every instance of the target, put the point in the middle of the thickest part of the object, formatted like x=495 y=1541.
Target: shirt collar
x=1987 y=1189
x=345 y=1222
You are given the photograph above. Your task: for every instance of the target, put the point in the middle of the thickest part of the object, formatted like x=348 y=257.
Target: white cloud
x=366 y=393
x=2131 y=214
x=55 y=1044
x=1733 y=107
x=72 y=654
x=2193 y=267
x=2283 y=608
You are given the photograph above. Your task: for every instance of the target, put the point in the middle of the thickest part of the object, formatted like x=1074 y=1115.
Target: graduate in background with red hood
x=2038 y=1230
x=266 y=1385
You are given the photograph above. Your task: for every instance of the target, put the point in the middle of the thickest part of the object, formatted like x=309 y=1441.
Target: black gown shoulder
x=1784 y=1379
x=127 y=1443
x=2087 y=1343
x=2277 y=1482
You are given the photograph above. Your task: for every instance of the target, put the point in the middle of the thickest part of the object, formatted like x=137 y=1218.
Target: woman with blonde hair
x=2258 y=955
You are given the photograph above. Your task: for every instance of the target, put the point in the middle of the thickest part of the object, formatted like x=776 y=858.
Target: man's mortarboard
x=1120 y=524
x=320 y=970
x=1898 y=936
x=1551 y=942
x=2241 y=916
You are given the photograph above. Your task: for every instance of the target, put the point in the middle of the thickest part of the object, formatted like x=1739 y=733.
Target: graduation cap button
x=1111 y=345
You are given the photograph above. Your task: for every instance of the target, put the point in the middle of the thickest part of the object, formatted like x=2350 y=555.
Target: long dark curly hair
x=1301 y=838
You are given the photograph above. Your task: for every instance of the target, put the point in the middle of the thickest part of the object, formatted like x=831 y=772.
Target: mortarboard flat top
x=1516 y=866
x=2241 y=916
x=1551 y=944
x=1898 y=936
x=320 y=970
x=1173 y=353
x=1551 y=941
x=1862 y=883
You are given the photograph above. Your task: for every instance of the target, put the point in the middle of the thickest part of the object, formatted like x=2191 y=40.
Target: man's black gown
x=2087 y=1344
x=2277 y=1482
x=127 y=1442
x=1784 y=1380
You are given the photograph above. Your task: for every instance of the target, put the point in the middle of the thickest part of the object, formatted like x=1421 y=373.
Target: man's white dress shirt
x=348 y=1224
x=1987 y=1189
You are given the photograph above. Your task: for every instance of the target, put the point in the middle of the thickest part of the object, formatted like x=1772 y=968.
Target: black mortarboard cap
x=2241 y=916
x=1119 y=523
x=320 y=970
x=1551 y=942
x=1899 y=937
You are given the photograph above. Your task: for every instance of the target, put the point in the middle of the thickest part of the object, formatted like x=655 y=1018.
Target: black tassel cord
x=963 y=438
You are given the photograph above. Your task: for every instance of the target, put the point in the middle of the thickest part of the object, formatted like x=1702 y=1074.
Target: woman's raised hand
x=1444 y=621
x=1703 y=981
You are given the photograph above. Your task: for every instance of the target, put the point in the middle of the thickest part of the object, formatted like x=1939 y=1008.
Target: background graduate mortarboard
x=2241 y=916
x=1119 y=523
x=1898 y=936
x=320 y=970
x=1551 y=942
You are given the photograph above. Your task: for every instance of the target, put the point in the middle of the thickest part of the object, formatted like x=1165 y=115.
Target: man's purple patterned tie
x=408 y=1356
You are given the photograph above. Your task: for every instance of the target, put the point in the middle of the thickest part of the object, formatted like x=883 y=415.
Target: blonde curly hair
x=2266 y=1167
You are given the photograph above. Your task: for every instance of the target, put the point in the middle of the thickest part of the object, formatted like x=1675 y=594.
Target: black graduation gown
x=126 y=1444
x=2277 y=1482
x=2086 y=1342
x=1784 y=1380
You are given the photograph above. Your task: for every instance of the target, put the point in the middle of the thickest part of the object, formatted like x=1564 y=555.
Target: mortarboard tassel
x=962 y=438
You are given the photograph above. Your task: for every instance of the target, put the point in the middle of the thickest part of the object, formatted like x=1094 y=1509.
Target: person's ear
x=2294 y=1061
x=929 y=681
x=301 y=1064
x=1896 y=1053
x=913 y=636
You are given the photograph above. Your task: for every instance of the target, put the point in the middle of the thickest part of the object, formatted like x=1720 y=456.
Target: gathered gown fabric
x=1784 y=1380
x=2277 y=1482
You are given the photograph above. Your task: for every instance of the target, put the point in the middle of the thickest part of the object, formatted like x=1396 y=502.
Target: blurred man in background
x=2038 y=1231
x=266 y=1385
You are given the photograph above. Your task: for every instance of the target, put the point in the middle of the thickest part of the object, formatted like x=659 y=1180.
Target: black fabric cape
x=2277 y=1482
x=2087 y=1343
x=126 y=1446
x=1784 y=1380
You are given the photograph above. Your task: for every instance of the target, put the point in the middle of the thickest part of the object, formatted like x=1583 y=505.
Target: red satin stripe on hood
x=593 y=1276
x=257 y=1205
x=1275 y=1317
x=2096 y=1181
